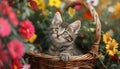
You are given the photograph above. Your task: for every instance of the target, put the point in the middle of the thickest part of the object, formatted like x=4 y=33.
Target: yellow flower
x=32 y=39
x=106 y=37
x=44 y=13
x=103 y=3
x=37 y=4
x=112 y=47
x=41 y=4
x=117 y=9
x=18 y=12
x=71 y=11
x=55 y=3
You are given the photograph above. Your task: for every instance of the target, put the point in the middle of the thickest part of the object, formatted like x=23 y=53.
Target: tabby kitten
x=62 y=36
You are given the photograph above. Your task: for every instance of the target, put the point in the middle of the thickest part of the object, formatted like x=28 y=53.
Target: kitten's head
x=61 y=32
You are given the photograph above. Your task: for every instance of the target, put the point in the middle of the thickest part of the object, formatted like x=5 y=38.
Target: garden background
x=24 y=26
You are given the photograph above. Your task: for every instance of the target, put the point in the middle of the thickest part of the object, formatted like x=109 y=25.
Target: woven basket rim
x=56 y=58
x=93 y=52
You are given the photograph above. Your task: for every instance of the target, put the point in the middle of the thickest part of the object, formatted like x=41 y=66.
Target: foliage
x=35 y=16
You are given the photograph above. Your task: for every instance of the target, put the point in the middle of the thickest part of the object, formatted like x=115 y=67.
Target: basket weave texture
x=86 y=61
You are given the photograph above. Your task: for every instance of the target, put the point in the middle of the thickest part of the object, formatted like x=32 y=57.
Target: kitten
x=62 y=36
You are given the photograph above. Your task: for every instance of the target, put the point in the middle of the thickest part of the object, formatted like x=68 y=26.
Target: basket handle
x=97 y=39
x=98 y=26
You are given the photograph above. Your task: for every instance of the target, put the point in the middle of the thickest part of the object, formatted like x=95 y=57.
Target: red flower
x=82 y=35
x=114 y=58
x=16 y=49
x=12 y=17
x=16 y=64
x=7 y=10
x=3 y=6
x=26 y=29
x=3 y=56
x=88 y=15
x=5 y=28
x=33 y=5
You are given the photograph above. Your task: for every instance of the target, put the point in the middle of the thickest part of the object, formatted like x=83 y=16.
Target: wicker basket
x=86 y=61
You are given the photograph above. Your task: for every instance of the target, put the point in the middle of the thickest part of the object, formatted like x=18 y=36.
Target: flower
x=117 y=9
x=12 y=17
x=111 y=9
x=114 y=58
x=33 y=5
x=93 y=2
x=71 y=11
x=26 y=66
x=82 y=35
x=40 y=4
x=16 y=64
x=78 y=7
x=44 y=13
x=26 y=29
x=37 y=4
x=7 y=10
x=5 y=28
x=112 y=47
x=32 y=39
x=3 y=56
x=104 y=3
x=3 y=7
x=106 y=37
x=55 y=3
x=16 y=49
x=18 y=11
x=88 y=15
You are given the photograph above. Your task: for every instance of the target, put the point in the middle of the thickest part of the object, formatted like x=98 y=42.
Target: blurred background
x=24 y=26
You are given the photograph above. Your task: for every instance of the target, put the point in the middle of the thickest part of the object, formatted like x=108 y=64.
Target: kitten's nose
x=58 y=36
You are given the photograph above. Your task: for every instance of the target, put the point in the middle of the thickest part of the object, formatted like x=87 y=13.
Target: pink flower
x=12 y=17
x=3 y=6
x=78 y=7
x=26 y=66
x=5 y=28
x=26 y=29
x=7 y=10
x=16 y=49
x=16 y=64
x=1 y=65
x=3 y=56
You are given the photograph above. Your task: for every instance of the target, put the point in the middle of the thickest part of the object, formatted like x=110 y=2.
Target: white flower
x=111 y=9
x=73 y=0
x=93 y=2
x=111 y=32
x=63 y=5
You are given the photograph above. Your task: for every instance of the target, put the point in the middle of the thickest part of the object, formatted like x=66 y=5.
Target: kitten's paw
x=65 y=56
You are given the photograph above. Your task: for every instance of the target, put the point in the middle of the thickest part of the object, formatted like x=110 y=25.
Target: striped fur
x=62 y=37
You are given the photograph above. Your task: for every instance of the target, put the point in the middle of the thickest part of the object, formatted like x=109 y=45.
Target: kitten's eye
x=56 y=29
x=65 y=34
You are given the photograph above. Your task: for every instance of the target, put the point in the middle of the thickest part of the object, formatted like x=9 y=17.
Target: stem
x=102 y=63
x=23 y=61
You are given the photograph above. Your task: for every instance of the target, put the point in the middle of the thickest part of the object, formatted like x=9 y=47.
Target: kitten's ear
x=75 y=26
x=57 y=18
